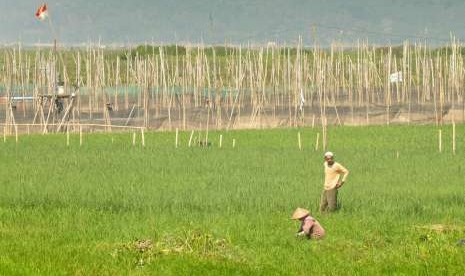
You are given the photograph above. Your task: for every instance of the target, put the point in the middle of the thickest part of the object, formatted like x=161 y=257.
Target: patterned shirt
x=312 y=228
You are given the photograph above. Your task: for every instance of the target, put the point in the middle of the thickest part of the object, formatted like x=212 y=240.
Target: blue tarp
x=131 y=90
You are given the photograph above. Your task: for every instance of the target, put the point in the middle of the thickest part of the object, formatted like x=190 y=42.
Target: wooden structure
x=51 y=110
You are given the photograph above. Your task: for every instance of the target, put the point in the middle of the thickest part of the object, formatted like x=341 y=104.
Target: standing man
x=333 y=182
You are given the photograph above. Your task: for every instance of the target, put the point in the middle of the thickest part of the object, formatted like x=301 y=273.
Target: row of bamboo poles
x=239 y=84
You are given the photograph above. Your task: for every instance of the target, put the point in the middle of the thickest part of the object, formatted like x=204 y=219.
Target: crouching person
x=309 y=226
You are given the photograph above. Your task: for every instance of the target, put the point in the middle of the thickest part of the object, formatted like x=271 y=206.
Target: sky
x=133 y=22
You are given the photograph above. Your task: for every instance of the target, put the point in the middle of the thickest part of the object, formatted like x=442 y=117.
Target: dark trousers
x=328 y=200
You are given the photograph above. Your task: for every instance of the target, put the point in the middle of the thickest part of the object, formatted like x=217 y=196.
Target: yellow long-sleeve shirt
x=333 y=173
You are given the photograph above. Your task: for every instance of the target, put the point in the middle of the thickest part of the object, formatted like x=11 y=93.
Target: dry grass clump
x=441 y=228
x=191 y=242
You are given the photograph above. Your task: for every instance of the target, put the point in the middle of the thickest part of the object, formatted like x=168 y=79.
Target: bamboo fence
x=200 y=87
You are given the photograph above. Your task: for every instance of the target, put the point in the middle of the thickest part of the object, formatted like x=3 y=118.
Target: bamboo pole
x=440 y=140
x=317 y=141
x=208 y=124
x=176 y=141
x=142 y=137
x=254 y=81
x=453 y=138
x=190 y=138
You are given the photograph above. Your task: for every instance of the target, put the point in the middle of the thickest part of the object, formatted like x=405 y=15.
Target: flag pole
x=54 y=36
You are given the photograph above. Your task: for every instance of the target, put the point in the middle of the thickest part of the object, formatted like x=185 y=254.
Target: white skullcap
x=329 y=154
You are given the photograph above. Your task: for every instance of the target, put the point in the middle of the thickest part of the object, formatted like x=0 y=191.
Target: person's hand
x=300 y=234
x=339 y=185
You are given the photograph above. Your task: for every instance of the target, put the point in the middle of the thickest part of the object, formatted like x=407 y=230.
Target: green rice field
x=110 y=208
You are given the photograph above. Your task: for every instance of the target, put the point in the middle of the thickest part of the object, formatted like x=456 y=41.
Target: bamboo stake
x=453 y=137
x=440 y=141
x=256 y=81
x=190 y=138
x=221 y=140
x=325 y=134
x=317 y=141
x=234 y=143
x=134 y=138
x=80 y=135
x=299 y=141
x=208 y=123
x=142 y=136
x=176 y=141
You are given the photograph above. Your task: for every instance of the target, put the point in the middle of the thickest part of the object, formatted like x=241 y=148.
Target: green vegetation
x=111 y=208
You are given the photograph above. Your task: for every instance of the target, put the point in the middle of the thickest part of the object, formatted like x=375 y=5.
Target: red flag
x=42 y=12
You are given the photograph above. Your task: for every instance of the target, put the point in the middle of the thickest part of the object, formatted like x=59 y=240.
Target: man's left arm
x=345 y=172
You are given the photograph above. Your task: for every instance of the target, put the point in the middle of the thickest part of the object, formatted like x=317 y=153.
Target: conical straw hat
x=300 y=213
